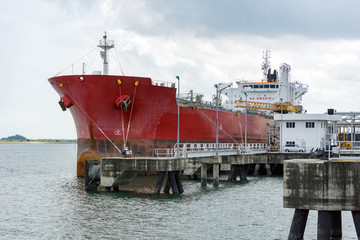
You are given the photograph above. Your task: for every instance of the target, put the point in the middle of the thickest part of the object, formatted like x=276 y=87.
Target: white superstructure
x=275 y=87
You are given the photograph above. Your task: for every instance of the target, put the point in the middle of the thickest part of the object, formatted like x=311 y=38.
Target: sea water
x=41 y=198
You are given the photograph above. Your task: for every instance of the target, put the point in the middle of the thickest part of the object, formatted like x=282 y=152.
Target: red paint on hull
x=151 y=118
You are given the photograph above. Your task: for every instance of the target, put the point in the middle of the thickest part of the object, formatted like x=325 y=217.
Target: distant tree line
x=15 y=137
x=19 y=138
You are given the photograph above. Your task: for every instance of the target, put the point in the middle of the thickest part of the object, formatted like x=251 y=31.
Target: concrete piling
x=336 y=230
x=174 y=187
x=216 y=168
x=243 y=172
x=203 y=174
x=268 y=169
x=237 y=170
x=324 y=225
x=256 y=169
x=232 y=173
x=160 y=181
x=173 y=181
x=356 y=218
x=178 y=182
x=298 y=224
x=167 y=186
x=326 y=186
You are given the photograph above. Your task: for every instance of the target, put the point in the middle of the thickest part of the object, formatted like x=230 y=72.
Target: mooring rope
x=122 y=118
x=242 y=136
x=61 y=85
x=71 y=65
x=206 y=117
x=117 y=59
x=131 y=111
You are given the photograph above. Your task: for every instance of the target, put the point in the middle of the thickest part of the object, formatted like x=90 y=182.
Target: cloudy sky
x=202 y=41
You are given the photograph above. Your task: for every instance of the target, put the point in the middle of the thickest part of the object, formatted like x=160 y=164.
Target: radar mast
x=266 y=64
x=105 y=45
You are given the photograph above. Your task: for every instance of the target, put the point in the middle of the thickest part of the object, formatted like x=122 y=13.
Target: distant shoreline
x=38 y=141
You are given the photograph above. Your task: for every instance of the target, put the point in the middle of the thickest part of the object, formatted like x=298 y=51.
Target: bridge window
x=272 y=86
x=248 y=86
x=256 y=86
x=290 y=124
x=290 y=143
x=266 y=86
x=310 y=124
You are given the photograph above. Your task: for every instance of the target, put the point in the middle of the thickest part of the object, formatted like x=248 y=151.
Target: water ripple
x=42 y=199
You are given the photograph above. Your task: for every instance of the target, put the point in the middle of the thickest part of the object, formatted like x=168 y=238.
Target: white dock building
x=307 y=130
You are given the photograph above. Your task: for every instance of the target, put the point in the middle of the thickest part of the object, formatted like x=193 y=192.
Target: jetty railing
x=203 y=149
x=342 y=148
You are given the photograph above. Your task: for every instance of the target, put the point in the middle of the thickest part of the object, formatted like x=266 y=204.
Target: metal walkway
x=186 y=150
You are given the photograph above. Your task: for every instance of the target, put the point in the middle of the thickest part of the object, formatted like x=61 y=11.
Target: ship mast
x=105 y=45
x=266 y=64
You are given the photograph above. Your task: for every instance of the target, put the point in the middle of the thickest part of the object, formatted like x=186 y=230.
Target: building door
x=303 y=145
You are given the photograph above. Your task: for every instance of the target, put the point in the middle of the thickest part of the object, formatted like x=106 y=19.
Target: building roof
x=307 y=117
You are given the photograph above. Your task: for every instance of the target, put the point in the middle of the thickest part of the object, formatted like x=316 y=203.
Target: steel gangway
x=186 y=150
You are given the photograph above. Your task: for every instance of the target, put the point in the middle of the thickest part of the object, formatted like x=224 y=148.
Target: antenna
x=105 y=45
x=266 y=63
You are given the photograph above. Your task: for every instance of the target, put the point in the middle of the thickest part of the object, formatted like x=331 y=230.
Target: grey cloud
x=311 y=18
x=321 y=19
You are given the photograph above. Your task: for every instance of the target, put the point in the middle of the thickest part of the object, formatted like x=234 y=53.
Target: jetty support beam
x=173 y=181
x=298 y=224
x=160 y=182
x=336 y=230
x=356 y=218
x=203 y=174
x=216 y=171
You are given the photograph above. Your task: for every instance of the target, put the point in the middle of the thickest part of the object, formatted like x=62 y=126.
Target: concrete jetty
x=111 y=172
x=328 y=187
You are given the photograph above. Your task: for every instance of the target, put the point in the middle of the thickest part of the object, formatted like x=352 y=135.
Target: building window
x=290 y=124
x=310 y=125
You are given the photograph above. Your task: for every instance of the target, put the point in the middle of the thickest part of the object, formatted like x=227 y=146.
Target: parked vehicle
x=293 y=148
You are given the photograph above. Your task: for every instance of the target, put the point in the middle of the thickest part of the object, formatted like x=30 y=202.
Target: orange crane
x=276 y=107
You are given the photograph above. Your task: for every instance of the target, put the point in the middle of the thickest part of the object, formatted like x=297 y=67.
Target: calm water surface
x=41 y=198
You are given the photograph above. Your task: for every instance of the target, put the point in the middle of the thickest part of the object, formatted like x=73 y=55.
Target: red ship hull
x=150 y=120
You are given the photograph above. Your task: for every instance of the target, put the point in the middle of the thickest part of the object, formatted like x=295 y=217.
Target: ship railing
x=201 y=104
x=163 y=83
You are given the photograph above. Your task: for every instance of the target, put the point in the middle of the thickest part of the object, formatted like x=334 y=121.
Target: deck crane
x=276 y=107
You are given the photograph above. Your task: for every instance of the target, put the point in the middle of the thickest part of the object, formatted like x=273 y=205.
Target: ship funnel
x=284 y=79
x=106 y=45
x=284 y=73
